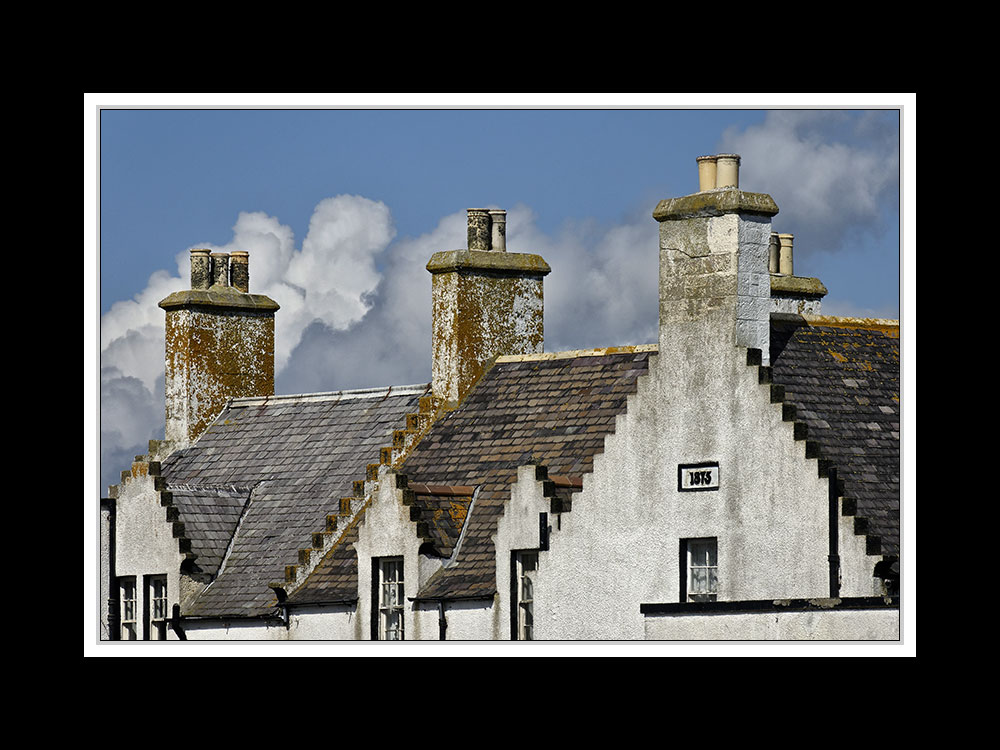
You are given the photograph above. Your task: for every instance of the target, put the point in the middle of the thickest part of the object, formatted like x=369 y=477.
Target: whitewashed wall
x=144 y=541
x=832 y=625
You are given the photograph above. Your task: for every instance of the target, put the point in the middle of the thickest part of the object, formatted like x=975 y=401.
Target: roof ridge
x=838 y=321
x=572 y=353
x=379 y=392
x=189 y=486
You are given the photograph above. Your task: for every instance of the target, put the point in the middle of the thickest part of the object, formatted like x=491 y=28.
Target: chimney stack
x=219 y=343
x=792 y=294
x=714 y=280
x=487 y=302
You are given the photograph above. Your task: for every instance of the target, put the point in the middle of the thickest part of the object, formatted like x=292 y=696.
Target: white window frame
x=525 y=565
x=158 y=605
x=391 y=592
x=129 y=602
x=702 y=555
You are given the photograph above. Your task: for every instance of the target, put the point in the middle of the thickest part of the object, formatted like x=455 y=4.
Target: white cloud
x=328 y=281
x=356 y=304
x=831 y=174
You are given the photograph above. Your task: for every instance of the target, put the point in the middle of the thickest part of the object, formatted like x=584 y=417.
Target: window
x=701 y=561
x=156 y=602
x=128 y=608
x=390 y=599
x=525 y=565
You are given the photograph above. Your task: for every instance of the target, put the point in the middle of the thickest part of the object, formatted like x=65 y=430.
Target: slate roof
x=211 y=515
x=444 y=510
x=842 y=377
x=552 y=409
x=298 y=455
x=555 y=411
x=335 y=578
x=275 y=468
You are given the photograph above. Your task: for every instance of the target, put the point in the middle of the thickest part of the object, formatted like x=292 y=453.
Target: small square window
x=701 y=560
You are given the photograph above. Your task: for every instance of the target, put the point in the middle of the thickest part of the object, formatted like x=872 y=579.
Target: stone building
x=738 y=480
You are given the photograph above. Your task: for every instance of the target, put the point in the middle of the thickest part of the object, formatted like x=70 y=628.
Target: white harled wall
x=620 y=545
x=144 y=543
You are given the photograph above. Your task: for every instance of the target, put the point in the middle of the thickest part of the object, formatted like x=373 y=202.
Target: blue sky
x=340 y=209
x=173 y=178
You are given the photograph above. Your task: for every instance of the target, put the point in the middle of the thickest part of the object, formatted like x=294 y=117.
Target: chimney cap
x=706 y=158
x=715 y=203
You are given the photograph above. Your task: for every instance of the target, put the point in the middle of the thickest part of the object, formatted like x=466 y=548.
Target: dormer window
x=390 y=599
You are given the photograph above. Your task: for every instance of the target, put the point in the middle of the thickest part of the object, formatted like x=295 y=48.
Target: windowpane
x=391 y=593
x=129 y=631
x=527 y=564
x=703 y=571
x=699 y=581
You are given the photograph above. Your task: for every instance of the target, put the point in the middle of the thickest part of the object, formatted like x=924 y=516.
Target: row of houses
x=737 y=480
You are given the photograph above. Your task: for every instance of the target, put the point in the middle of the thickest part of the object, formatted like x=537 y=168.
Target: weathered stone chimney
x=219 y=343
x=714 y=279
x=790 y=293
x=486 y=301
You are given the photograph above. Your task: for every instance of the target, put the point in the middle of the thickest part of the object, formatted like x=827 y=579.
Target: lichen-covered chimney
x=219 y=343
x=486 y=302
x=714 y=276
x=792 y=294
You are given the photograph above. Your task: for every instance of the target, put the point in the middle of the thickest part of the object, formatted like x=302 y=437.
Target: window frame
x=688 y=548
x=129 y=626
x=522 y=607
x=157 y=607
x=383 y=607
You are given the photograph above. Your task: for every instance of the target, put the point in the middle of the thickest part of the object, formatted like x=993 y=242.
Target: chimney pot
x=201 y=268
x=707 y=166
x=239 y=270
x=498 y=232
x=479 y=229
x=220 y=269
x=727 y=171
x=773 y=253
x=785 y=254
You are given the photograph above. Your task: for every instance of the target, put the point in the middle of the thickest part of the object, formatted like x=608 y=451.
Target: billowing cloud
x=130 y=416
x=356 y=301
x=832 y=174
x=328 y=283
